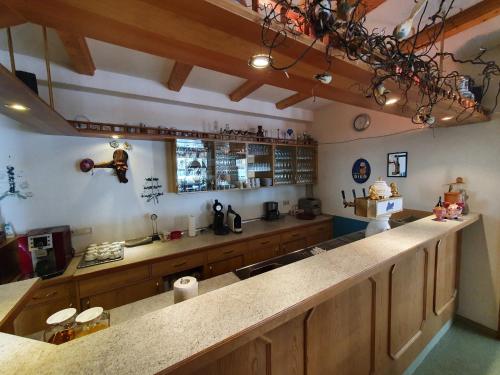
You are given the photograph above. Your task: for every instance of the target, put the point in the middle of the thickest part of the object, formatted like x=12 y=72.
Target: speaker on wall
x=29 y=80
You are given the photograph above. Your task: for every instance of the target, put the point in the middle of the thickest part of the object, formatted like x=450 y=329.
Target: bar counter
x=184 y=337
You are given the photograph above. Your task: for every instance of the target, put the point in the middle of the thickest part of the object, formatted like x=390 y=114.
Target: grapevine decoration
x=397 y=60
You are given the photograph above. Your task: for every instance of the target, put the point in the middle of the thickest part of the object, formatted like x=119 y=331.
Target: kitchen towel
x=185 y=288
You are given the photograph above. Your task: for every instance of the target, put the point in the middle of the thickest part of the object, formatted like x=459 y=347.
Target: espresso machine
x=233 y=220
x=45 y=252
x=271 y=211
x=218 y=225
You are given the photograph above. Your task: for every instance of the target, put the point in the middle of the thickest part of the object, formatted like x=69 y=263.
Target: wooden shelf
x=40 y=117
x=108 y=130
x=7 y=242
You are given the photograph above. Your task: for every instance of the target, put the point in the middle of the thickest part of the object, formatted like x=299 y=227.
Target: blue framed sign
x=361 y=171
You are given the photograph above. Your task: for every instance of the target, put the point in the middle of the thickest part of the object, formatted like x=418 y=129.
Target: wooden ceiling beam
x=292 y=100
x=470 y=17
x=367 y=6
x=9 y=18
x=178 y=76
x=78 y=52
x=244 y=90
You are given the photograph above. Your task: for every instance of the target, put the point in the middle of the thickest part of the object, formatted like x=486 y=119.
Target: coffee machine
x=233 y=220
x=271 y=211
x=218 y=224
x=45 y=252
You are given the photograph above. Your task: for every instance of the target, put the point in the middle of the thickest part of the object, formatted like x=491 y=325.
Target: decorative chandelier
x=396 y=60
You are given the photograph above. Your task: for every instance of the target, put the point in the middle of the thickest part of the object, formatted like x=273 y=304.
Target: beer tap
x=346 y=203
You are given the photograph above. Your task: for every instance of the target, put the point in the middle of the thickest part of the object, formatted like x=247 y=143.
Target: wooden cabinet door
x=224 y=266
x=122 y=296
x=45 y=302
x=319 y=233
x=288 y=247
x=262 y=249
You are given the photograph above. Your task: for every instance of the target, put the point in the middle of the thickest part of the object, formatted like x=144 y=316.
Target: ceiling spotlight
x=447 y=118
x=17 y=107
x=391 y=101
x=260 y=61
x=324 y=78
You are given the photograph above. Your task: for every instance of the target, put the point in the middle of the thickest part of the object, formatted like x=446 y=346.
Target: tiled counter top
x=160 y=340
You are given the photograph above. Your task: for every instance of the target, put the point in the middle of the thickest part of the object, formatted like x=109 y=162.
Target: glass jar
x=61 y=327
x=91 y=320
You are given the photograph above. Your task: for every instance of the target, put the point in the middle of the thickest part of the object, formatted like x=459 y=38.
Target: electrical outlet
x=286 y=203
x=81 y=231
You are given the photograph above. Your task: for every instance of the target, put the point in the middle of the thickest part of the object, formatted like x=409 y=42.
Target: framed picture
x=397 y=163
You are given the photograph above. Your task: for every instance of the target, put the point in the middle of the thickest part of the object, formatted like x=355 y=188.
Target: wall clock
x=361 y=122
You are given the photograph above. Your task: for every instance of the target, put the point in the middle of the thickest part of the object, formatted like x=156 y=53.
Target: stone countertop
x=13 y=295
x=137 y=309
x=206 y=239
x=161 y=339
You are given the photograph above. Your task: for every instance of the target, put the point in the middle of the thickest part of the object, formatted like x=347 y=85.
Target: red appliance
x=45 y=252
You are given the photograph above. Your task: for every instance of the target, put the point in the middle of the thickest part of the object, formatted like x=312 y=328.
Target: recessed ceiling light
x=391 y=101
x=447 y=118
x=114 y=136
x=260 y=61
x=17 y=107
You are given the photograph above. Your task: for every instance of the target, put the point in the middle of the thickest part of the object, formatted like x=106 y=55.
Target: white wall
x=64 y=195
x=434 y=159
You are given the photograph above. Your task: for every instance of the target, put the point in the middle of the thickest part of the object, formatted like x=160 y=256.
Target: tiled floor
x=463 y=351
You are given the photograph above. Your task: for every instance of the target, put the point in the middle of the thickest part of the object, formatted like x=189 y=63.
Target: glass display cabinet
x=284 y=165
x=305 y=172
x=260 y=163
x=194 y=165
x=230 y=165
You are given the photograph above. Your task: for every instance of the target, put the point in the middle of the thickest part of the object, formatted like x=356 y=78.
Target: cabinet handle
x=157 y=287
x=48 y=295
x=265 y=242
x=180 y=264
x=228 y=252
x=210 y=268
x=88 y=302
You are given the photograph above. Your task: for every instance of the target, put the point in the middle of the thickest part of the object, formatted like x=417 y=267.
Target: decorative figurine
x=119 y=164
x=394 y=190
x=403 y=30
x=372 y=193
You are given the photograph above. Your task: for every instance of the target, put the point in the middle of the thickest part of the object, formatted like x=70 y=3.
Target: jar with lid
x=61 y=327
x=91 y=320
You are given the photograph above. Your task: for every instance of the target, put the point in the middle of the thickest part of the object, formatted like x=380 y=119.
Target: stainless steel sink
x=273 y=263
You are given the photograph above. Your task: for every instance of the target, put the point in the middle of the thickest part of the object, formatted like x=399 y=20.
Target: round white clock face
x=362 y=122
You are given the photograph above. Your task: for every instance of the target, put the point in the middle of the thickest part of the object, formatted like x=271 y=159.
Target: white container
x=191 y=226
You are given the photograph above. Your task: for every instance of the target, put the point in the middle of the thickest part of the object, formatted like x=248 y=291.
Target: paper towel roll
x=191 y=226
x=185 y=288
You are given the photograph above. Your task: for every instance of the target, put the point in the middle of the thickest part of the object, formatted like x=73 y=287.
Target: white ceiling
x=28 y=40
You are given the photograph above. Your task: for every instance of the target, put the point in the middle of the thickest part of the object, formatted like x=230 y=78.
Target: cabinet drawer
x=225 y=252
x=113 y=280
x=293 y=245
x=51 y=293
x=119 y=297
x=320 y=228
x=293 y=235
x=268 y=241
x=262 y=249
x=224 y=266
x=168 y=267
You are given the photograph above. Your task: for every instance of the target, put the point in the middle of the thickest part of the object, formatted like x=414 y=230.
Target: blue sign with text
x=361 y=171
